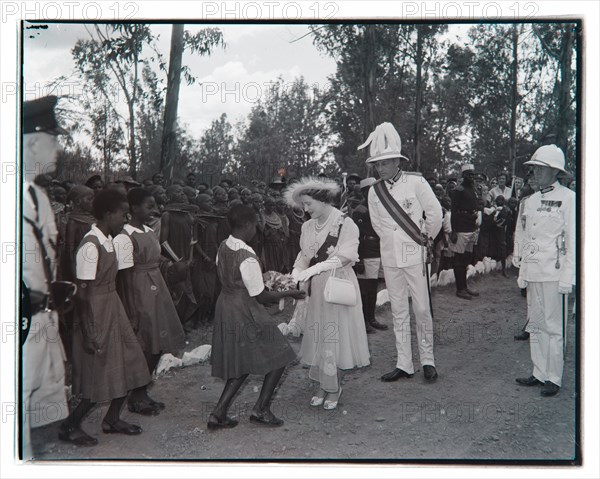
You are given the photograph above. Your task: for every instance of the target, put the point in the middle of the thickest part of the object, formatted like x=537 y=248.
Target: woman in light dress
x=334 y=335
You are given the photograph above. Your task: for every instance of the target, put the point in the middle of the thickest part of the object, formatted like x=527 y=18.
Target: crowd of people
x=152 y=260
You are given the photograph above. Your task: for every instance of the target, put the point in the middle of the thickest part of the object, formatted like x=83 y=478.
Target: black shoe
x=430 y=373
x=522 y=336
x=463 y=294
x=157 y=404
x=471 y=292
x=549 y=389
x=395 y=375
x=377 y=325
x=370 y=329
x=76 y=435
x=143 y=408
x=215 y=423
x=266 y=419
x=120 y=427
x=530 y=381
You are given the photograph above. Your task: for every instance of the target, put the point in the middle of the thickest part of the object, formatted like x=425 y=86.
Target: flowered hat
x=294 y=191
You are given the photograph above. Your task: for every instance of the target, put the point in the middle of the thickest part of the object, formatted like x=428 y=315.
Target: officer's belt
x=397 y=213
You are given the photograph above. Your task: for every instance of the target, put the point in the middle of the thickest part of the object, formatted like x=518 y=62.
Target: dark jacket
x=464 y=210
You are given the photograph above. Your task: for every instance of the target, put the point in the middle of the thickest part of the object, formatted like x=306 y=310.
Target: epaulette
x=415 y=173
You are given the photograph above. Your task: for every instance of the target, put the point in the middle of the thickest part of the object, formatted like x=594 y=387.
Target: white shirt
x=124 y=246
x=249 y=269
x=86 y=260
x=416 y=197
x=544 y=220
x=43 y=217
x=497 y=191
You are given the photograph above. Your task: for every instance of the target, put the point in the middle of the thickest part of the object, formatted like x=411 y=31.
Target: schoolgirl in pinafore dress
x=118 y=365
x=246 y=339
x=146 y=297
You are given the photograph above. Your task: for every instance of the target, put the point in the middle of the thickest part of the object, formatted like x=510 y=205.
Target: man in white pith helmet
x=406 y=215
x=545 y=253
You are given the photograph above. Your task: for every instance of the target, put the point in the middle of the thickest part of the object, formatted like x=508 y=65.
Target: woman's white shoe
x=330 y=405
x=317 y=400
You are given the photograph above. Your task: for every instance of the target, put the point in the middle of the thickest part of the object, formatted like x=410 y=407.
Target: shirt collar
x=393 y=180
x=549 y=188
x=100 y=235
x=130 y=229
x=236 y=244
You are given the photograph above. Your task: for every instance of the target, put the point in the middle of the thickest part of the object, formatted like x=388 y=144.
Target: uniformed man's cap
x=38 y=116
x=467 y=167
x=356 y=176
x=384 y=143
x=550 y=156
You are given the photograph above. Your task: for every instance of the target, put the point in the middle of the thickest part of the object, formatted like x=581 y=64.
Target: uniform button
x=395 y=228
x=154 y=288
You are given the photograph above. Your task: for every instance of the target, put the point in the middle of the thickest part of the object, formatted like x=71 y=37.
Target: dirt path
x=475 y=410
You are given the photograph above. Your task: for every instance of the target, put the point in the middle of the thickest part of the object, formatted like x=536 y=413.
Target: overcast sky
x=230 y=81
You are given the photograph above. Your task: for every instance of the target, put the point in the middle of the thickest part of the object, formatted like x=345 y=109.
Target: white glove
x=522 y=283
x=564 y=288
x=516 y=261
x=327 y=265
x=295 y=273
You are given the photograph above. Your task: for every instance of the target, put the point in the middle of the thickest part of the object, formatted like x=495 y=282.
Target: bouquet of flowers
x=275 y=281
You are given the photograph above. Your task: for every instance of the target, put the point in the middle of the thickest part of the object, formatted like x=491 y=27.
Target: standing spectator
x=190 y=180
x=501 y=221
x=177 y=227
x=42 y=353
x=501 y=188
x=464 y=229
x=398 y=204
x=108 y=361
x=369 y=260
x=545 y=254
x=158 y=179
x=145 y=295
x=79 y=222
x=95 y=183
x=274 y=239
x=220 y=200
x=297 y=218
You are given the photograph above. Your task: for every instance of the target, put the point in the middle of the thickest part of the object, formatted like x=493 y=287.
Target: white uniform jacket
x=545 y=236
x=416 y=197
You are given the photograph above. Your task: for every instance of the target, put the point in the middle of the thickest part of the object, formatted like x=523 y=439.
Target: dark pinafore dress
x=120 y=365
x=246 y=339
x=149 y=299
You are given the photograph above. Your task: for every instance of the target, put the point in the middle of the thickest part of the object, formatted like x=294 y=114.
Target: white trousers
x=544 y=309
x=44 y=398
x=400 y=282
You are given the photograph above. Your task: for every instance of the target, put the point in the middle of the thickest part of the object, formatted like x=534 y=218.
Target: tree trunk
x=169 y=139
x=514 y=100
x=566 y=57
x=418 y=97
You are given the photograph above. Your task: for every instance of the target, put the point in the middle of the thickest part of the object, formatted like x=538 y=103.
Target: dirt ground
x=475 y=410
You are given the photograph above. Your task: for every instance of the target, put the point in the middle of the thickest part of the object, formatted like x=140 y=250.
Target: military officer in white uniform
x=403 y=259
x=545 y=254
x=43 y=372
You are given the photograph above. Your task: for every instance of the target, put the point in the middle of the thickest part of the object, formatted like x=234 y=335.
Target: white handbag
x=339 y=291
